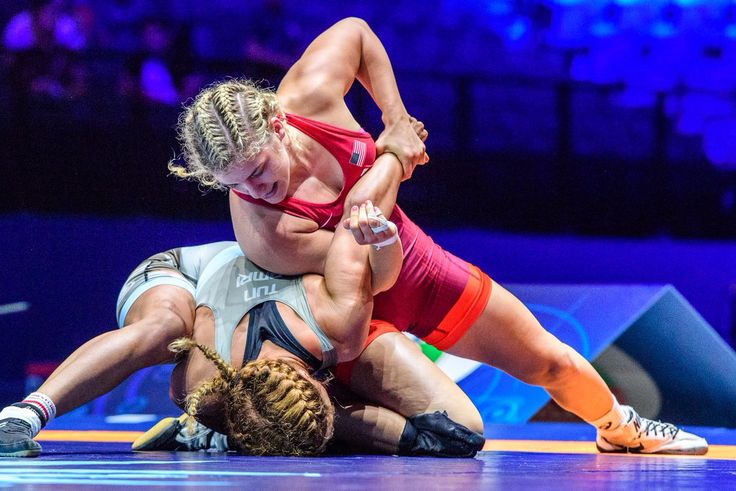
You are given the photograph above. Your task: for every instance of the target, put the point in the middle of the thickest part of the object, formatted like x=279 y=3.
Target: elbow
x=357 y=22
x=351 y=347
x=386 y=282
x=357 y=197
x=350 y=337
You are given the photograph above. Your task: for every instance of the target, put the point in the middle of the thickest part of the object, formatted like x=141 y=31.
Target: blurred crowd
x=162 y=51
x=640 y=88
x=149 y=51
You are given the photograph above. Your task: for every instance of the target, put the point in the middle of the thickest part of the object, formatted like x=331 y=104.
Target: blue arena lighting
x=603 y=29
x=517 y=29
x=627 y=3
x=719 y=142
x=568 y=2
x=499 y=8
x=662 y=29
x=689 y=3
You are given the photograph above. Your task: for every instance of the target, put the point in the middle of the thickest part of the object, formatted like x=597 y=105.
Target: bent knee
x=168 y=324
x=472 y=420
x=155 y=331
x=464 y=413
x=555 y=369
x=171 y=312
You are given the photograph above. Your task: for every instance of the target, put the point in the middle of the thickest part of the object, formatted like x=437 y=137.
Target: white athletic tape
x=387 y=242
x=383 y=223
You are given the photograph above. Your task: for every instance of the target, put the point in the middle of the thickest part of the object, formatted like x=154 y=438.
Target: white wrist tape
x=387 y=242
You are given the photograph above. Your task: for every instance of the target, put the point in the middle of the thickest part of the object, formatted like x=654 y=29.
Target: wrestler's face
x=265 y=176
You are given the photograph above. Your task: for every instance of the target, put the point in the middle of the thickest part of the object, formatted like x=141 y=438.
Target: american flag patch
x=358 y=155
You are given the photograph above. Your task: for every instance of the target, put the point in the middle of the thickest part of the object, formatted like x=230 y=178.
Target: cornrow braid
x=271 y=408
x=226 y=123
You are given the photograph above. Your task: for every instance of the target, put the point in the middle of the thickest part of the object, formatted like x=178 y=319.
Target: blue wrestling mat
x=527 y=463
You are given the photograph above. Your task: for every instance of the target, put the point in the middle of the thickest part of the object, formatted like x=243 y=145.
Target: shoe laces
x=16 y=426
x=658 y=428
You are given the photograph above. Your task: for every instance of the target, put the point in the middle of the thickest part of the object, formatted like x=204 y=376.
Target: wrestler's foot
x=183 y=434
x=641 y=435
x=16 y=439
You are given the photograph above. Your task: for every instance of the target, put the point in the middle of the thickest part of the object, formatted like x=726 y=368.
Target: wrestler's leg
x=361 y=425
x=404 y=403
x=159 y=316
x=156 y=317
x=391 y=382
x=393 y=372
x=364 y=426
x=509 y=337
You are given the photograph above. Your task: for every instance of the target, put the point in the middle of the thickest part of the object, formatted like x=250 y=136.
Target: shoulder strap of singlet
x=301 y=306
x=266 y=323
x=347 y=146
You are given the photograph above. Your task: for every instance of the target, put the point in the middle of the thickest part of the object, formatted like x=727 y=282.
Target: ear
x=277 y=123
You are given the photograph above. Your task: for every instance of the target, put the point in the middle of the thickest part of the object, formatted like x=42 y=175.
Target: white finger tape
x=383 y=223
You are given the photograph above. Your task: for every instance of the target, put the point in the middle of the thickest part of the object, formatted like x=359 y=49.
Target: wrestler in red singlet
x=437 y=296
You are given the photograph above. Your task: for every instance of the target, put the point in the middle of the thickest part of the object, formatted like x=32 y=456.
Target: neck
x=301 y=156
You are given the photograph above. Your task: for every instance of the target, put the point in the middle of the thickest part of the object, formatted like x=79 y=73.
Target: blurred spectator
x=163 y=71
x=272 y=40
x=44 y=42
x=119 y=23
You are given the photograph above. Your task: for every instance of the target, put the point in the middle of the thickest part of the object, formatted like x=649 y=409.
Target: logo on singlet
x=244 y=279
x=258 y=289
x=358 y=156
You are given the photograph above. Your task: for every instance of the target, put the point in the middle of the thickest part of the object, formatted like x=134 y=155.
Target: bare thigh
x=171 y=302
x=393 y=372
x=159 y=316
x=509 y=337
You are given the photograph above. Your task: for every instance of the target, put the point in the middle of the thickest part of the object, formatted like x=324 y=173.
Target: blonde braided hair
x=228 y=122
x=270 y=407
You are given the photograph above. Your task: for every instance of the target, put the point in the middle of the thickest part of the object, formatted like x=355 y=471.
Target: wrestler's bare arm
x=279 y=242
x=284 y=244
x=343 y=300
x=317 y=83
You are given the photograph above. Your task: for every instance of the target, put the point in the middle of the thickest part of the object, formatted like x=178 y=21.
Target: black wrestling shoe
x=180 y=434
x=16 y=439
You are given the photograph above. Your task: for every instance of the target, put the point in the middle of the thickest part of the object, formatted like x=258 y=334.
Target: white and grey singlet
x=180 y=267
x=231 y=285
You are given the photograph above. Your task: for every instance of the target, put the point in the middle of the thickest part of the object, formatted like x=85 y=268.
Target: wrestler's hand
x=420 y=130
x=369 y=226
x=405 y=139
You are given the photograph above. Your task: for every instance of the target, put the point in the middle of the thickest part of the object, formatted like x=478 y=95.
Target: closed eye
x=257 y=172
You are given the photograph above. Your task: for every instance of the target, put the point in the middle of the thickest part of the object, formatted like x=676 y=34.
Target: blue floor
x=82 y=465
x=73 y=466
x=528 y=431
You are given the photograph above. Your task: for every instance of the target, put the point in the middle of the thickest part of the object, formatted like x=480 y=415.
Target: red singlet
x=437 y=296
x=355 y=151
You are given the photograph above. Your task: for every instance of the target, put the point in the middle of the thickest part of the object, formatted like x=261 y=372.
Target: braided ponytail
x=271 y=408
